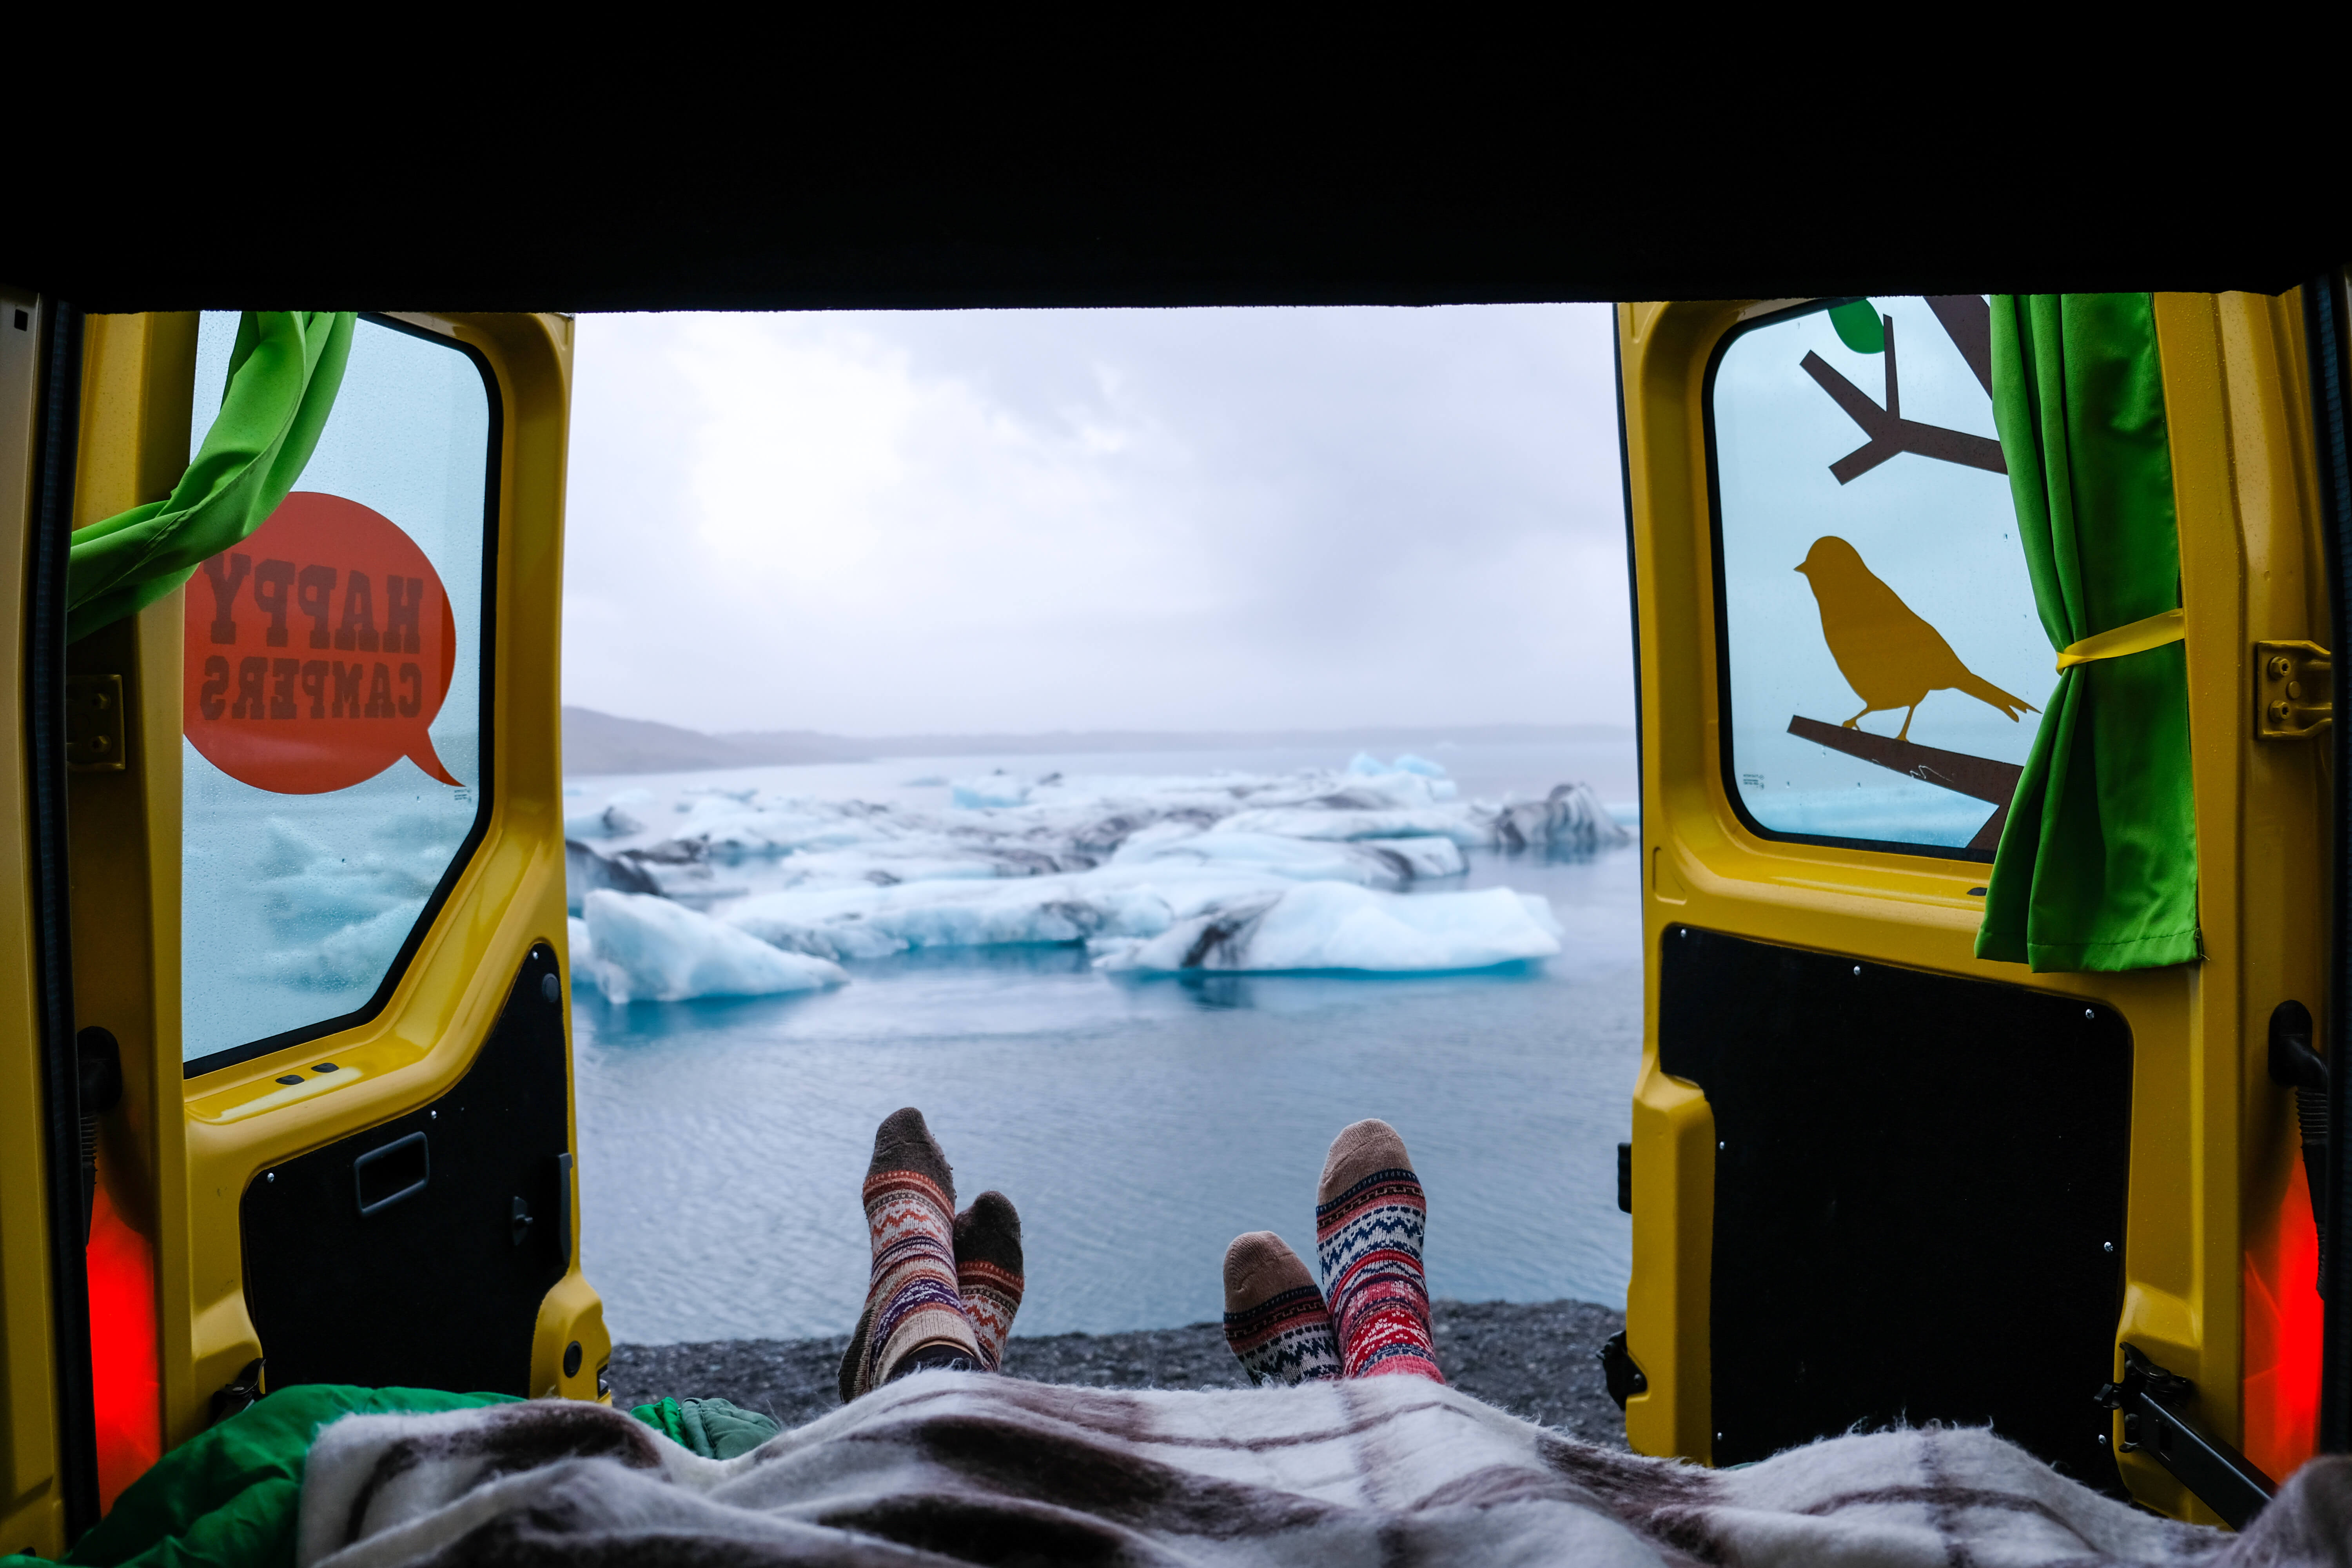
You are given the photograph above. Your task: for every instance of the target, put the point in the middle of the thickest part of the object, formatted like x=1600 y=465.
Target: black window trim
x=493 y=490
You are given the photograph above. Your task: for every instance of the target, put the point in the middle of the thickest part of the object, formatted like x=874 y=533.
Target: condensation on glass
x=297 y=907
x=1884 y=666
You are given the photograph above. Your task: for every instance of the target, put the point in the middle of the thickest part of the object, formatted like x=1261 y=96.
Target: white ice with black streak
x=638 y=947
x=1332 y=925
x=1310 y=871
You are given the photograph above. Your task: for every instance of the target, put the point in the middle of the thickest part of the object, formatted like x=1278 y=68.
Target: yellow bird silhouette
x=1889 y=656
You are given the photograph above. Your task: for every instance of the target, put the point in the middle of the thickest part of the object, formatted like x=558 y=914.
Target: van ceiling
x=1517 y=173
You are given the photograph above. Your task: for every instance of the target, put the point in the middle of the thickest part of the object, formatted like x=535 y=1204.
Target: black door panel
x=1919 y=1197
x=415 y=1254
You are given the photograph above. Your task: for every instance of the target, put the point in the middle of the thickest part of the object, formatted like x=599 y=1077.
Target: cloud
x=885 y=522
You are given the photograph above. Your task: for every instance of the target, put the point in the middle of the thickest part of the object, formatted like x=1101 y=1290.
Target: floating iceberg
x=313 y=887
x=1159 y=875
x=1571 y=817
x=721 y=827
x=639 y=947
x=1008 y=826
x=612 y=821
x=1417 y=857
x=585 y=871
x=1333 y=925
x=1369 y=863
x=1119 y=862
x=999 y=788
x=1345 y=822
x=1438 y=786
x=877 y=921
x=352 y=955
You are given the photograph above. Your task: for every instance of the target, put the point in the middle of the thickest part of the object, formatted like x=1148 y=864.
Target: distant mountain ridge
x=596 y=743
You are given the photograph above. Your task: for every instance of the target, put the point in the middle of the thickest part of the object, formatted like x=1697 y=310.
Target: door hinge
x=2294 y=690
x=94 y=731
x=2151 y=1398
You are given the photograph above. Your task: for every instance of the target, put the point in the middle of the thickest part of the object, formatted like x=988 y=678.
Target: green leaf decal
x=1858 y=326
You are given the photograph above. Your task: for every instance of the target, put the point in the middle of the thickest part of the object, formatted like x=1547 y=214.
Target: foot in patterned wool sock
x=988 y=1273
x=1369 y=1218
x=1276 y=1321
x=914 y=1317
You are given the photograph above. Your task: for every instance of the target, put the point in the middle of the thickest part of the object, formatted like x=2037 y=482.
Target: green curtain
x=2097 y=865
x=283 y=375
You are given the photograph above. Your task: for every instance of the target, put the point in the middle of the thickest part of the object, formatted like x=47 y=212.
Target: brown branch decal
x=1890 y=433
x=1979 y=778
x=1967 y=321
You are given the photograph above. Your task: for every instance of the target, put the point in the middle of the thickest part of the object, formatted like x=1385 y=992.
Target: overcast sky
x=883 y=524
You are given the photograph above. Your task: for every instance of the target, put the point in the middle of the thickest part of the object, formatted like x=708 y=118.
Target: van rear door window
x=335 y=776
x=1882 y=664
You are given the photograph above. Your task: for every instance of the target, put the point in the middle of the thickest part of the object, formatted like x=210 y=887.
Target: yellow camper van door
x=1876 y=1179
x=317 y=895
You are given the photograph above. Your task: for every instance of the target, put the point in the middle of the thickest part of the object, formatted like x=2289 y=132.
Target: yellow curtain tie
x=2138 y=638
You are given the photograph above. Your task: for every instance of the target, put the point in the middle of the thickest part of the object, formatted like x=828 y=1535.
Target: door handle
x=398 y=1169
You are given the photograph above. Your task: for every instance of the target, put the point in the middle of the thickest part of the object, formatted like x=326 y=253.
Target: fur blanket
x=945 y=1468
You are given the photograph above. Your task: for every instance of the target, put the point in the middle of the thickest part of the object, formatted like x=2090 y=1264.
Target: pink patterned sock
x=1369 y=1214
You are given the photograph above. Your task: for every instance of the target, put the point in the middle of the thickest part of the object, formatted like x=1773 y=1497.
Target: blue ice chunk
x=1335 y=926
x=999 y=788
x=644 y=947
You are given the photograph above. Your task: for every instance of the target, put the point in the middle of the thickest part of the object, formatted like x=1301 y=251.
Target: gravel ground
x=1535 y=1360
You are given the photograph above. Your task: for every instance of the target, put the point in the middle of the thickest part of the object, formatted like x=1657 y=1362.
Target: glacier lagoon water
x=1138 y=1123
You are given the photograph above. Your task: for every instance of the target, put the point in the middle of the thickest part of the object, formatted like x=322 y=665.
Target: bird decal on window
x=1889 y=656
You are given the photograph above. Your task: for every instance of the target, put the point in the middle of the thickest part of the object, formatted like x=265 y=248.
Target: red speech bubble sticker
x=318 y=650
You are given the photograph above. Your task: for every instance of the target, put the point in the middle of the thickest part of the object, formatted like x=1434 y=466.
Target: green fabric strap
x=283 y=375
x=2097 y=863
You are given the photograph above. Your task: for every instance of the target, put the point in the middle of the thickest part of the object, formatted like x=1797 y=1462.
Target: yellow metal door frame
x=2212 y=1139
x=196 y=1144
x=44 y=1484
